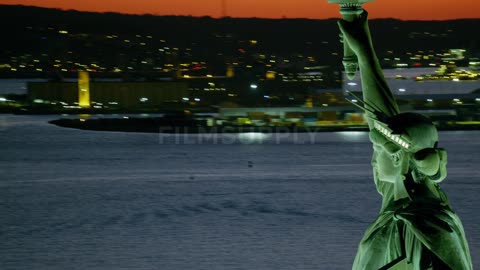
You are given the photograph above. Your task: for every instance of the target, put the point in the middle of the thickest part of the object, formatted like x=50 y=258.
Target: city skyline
x=313 y=9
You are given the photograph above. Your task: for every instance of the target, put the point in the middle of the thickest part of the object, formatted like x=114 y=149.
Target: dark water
x=72 y=199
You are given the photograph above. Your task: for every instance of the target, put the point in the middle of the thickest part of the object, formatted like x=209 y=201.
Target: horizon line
x=230 y=17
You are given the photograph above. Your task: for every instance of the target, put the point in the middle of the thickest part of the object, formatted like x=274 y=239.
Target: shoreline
x=190 y=126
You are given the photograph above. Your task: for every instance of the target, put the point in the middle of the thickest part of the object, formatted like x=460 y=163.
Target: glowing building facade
x=83 y=89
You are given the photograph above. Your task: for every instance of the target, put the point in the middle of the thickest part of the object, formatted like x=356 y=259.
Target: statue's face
x=392 y=162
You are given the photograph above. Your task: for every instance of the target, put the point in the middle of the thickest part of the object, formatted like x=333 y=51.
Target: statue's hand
x=356 y=34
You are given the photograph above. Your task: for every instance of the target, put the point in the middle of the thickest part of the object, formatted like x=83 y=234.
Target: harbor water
x=75 y=199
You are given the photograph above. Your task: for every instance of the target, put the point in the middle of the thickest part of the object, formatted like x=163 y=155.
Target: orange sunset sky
x=316 y=9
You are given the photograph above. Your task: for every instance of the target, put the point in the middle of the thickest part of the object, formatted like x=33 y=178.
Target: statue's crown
x=396 y=128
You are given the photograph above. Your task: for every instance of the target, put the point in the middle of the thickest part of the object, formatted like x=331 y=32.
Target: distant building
x=83 y=89
x=301 y=116
x=126 y=95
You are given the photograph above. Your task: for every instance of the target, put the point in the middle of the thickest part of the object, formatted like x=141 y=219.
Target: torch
x=350 y=10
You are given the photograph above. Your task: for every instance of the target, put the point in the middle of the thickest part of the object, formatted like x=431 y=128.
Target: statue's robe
x=412 y=230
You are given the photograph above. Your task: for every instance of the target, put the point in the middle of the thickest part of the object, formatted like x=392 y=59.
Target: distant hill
x=464 y=32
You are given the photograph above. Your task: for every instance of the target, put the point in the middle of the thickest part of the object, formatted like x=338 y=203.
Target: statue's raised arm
x=376 y=93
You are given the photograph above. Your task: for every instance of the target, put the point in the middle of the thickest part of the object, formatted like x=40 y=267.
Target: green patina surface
x=416 y=227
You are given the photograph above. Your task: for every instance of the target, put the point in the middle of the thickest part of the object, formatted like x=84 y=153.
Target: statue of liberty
x=416 y=227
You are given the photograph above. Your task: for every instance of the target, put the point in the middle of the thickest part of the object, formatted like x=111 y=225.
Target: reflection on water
x=253 y=137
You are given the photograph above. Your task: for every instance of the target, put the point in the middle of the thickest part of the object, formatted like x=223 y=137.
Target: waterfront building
x=83 y=89
x=103 y=95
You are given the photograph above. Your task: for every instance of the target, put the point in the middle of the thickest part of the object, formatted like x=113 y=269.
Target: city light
x=253 y=137
x=353 y=136
x=278 y=78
